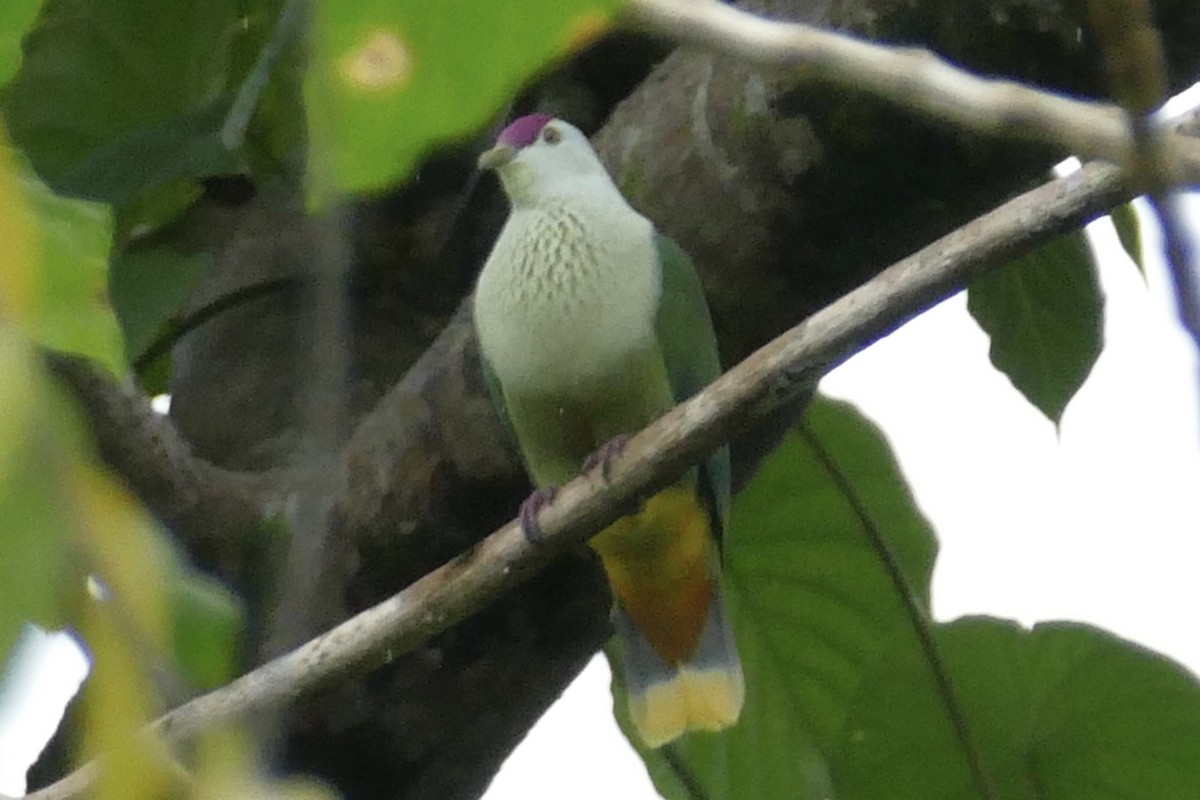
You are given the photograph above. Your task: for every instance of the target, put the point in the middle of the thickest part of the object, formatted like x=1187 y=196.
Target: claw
x=604 y=456
x=533 y=505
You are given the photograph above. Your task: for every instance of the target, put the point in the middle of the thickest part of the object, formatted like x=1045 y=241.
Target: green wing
x=496 y=394
x=689 y=347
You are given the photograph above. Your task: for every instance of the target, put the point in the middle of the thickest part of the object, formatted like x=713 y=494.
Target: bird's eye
x=551 y=135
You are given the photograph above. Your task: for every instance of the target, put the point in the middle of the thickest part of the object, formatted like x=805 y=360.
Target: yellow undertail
x=706 y=700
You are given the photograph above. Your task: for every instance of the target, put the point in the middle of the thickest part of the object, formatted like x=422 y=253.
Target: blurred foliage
x=126 y=628
x=66 y=523
x=390 y=77
x=123 y=112
x=118 y=111
x=55 y=266
x=226 y=769
x=1045 y=316
x=15 y=18
x=207 y=625
x=34 y=517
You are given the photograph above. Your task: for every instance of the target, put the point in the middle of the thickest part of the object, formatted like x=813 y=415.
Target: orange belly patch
x=658 y=564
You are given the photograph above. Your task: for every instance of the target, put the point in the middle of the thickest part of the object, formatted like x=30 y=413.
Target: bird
x=591 y=324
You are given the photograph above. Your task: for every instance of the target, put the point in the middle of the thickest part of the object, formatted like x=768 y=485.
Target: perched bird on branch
x=591 y=324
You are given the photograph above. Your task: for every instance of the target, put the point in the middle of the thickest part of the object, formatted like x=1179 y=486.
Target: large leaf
x=186 y=146
x=811 y=605
x=137 y=95
x=391 y=76
x=1044 y=314
x=1062 y=712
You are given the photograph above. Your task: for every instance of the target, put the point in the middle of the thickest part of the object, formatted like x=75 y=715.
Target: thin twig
x=287 y=30
x=914 y=609
x=163 y=344
x=775 y=374
x=1180 y=257
x=912 y=78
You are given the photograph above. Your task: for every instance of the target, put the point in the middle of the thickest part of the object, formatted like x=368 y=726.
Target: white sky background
x=37 y=684
x=1097 y=522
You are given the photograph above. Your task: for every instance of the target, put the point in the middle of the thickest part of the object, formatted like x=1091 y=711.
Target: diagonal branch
x=773 y=375
x=912 y=78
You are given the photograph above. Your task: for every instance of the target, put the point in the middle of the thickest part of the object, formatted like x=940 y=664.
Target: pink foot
x=604 y=456
x=530 y=509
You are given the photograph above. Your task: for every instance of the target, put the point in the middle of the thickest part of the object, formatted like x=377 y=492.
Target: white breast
x=566 y=295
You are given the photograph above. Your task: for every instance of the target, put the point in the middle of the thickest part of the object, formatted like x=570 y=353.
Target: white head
x=540 y=158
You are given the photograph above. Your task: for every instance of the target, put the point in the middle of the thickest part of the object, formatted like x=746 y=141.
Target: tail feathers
x=705 y=692
x=706 y=700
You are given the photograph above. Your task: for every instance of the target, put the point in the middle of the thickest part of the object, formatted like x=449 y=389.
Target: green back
x=496 y=394
x=689 y=348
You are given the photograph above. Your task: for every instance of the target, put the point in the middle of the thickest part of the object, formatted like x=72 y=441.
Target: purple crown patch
x=523 y=131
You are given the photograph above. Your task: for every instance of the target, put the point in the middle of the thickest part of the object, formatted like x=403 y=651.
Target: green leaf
x=15 y=17
x=75 y=316
x=56 y=265
x=1062 y=712
x=1044 y=314
x=207 y=625
x=33 y=547
x=391 y=77
x=126 y=80
x=148 y=287
x=183 y=147
x=812 y=608
x=34 y=521
x=151 y=210
x=1129 y=231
